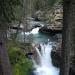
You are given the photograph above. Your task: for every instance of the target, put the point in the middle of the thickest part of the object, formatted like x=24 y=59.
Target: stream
x=35 y=36
x=45 y=66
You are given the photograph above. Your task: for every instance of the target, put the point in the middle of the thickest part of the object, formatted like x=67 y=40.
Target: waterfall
x=45 y=66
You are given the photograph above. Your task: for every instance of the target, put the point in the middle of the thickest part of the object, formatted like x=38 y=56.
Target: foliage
x=44 y=4
x=12 y=9
x=20 y=64
x=7 y=9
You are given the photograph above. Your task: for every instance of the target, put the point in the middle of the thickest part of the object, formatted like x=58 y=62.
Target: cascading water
x=45 y=66
x=35 y=31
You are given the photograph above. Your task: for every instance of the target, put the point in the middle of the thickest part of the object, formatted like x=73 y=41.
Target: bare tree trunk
x=26 y=13
x=68 y=43
x=3 y=54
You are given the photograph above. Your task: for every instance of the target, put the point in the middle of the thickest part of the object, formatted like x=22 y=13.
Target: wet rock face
x=56 y=51
x=56 y=59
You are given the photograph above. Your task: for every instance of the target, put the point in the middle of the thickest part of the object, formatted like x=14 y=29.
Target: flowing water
x=45 y=66
x=34 y=36
x=35 y=30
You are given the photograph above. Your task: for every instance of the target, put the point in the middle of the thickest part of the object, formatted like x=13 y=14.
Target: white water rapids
x=33 y=31
x=45 y=66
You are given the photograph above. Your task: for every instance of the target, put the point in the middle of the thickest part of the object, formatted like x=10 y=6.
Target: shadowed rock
x=50 y=31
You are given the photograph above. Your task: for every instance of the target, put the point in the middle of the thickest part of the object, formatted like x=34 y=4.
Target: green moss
x=20 y=64
x=22 y=67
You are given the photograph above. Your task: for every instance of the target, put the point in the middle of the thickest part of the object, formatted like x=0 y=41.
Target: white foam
x=35 y=31
x=45 y=66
